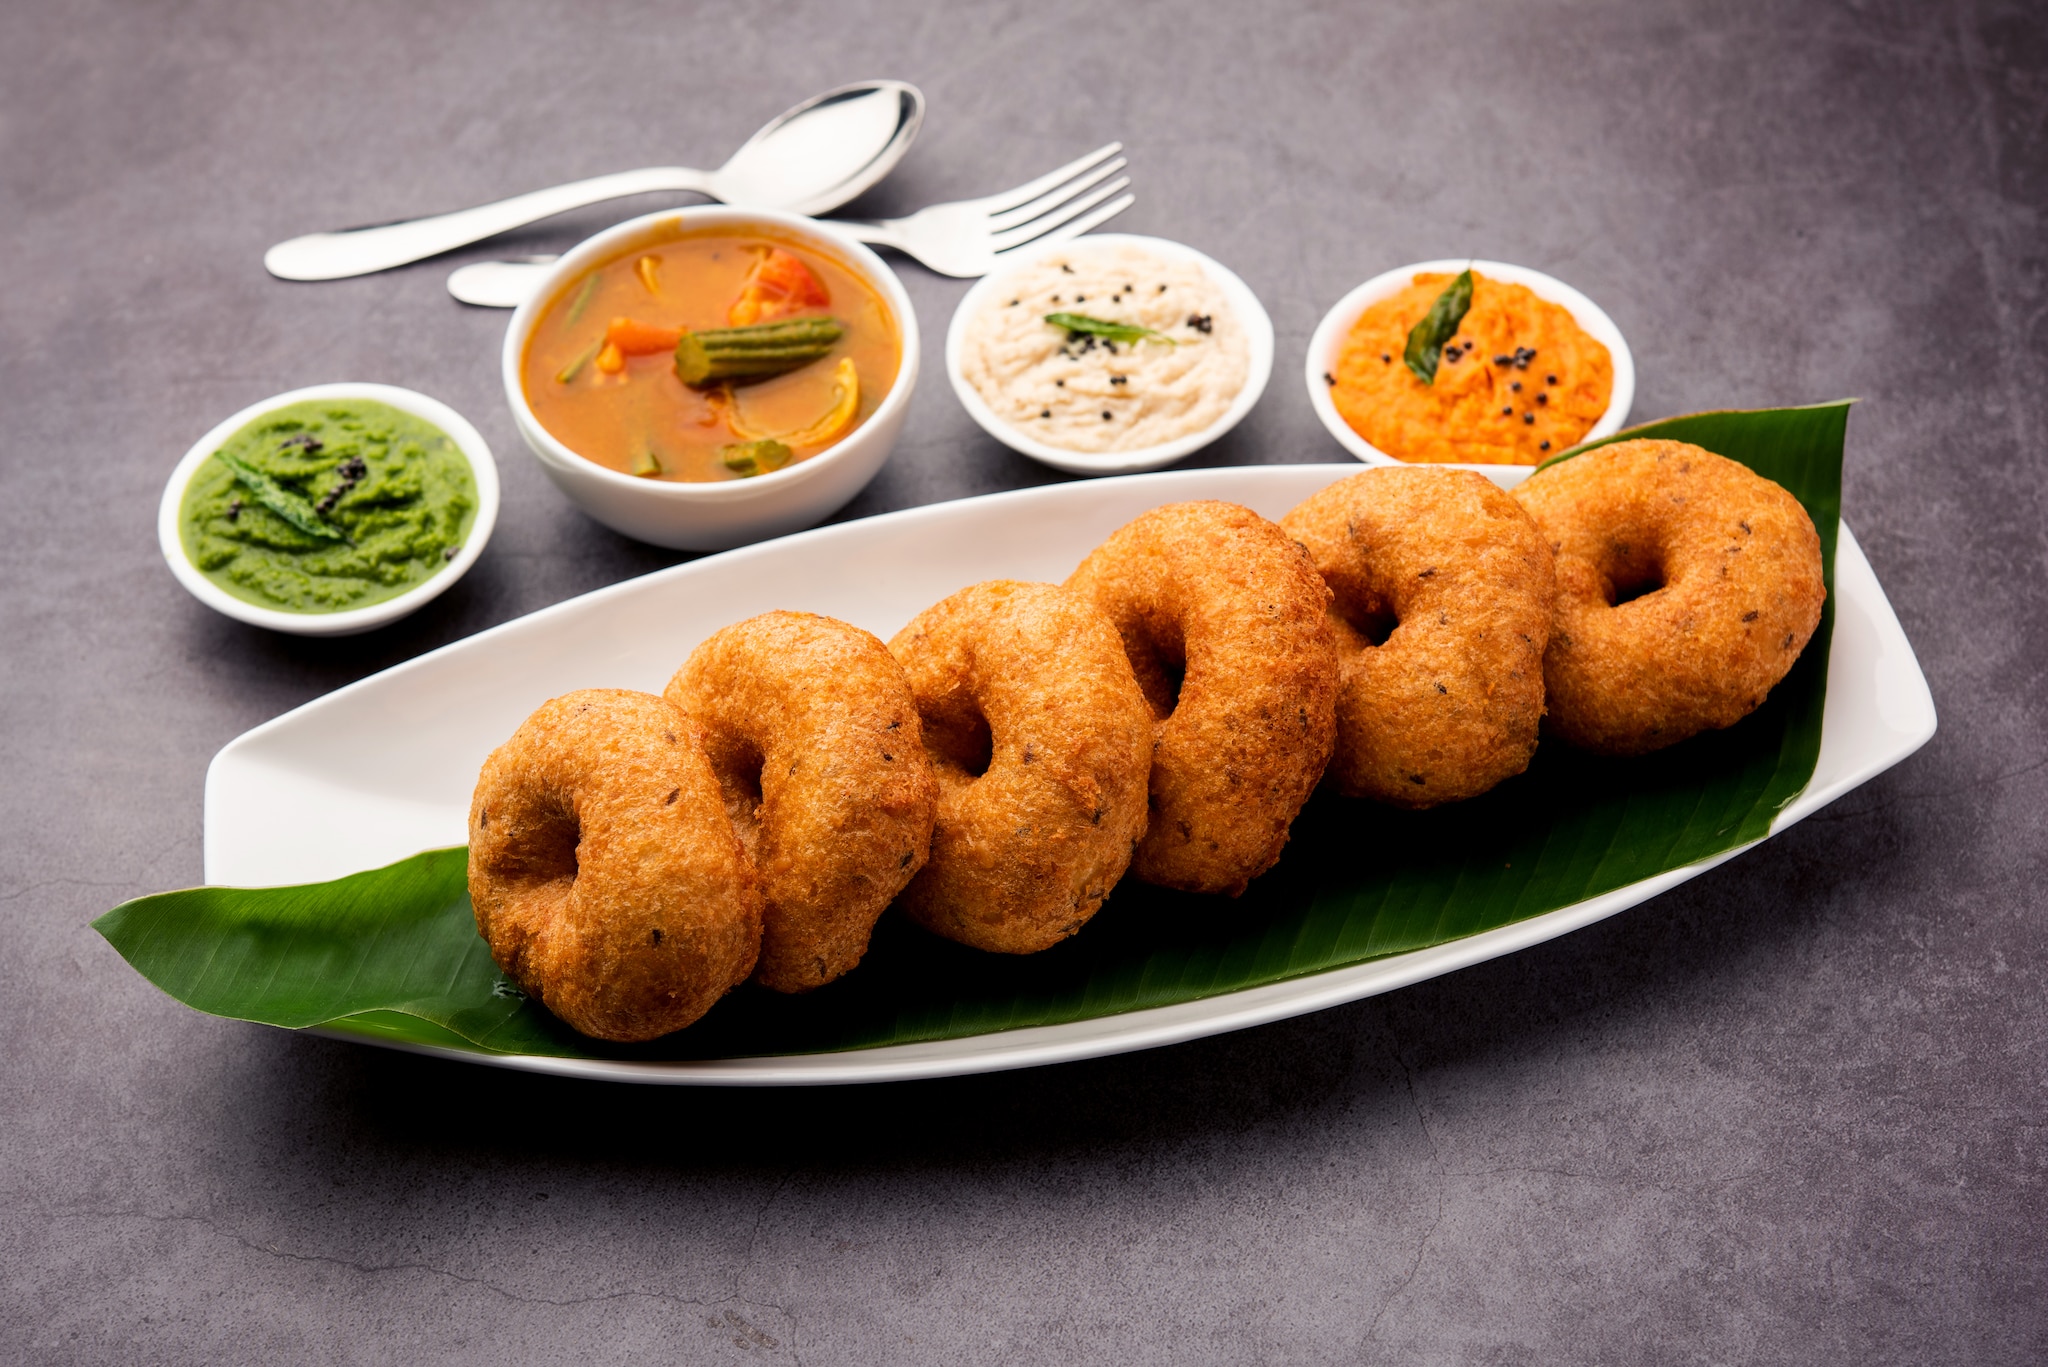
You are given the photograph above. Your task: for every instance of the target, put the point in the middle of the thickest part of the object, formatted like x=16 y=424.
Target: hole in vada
x=960 y=740
x=737 y=764
x=1633 y=571
x=1626 y=587
x=1160 y=665
x=1175 y=672
x=546 y=851
x=1371 y=618
x=1376 y=627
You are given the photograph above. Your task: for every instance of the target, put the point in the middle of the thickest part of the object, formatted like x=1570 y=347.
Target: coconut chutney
x=1157 y=353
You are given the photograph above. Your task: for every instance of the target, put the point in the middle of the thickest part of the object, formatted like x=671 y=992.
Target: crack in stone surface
x=747 y=1264
x=1613 y=1179
x=1833 y=812
x=32 y=888
x=754 y=1234
x=1442 y=1181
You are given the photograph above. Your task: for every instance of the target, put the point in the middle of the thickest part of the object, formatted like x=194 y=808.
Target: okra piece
x=753 y=353
x=754 y=457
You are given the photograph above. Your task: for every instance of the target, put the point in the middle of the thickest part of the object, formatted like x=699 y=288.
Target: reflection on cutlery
x=809 y=160
x=964 y=238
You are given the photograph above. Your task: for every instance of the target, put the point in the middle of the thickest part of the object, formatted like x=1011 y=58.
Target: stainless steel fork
x=965 y=238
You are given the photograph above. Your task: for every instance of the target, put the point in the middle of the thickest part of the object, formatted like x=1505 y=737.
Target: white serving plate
x=383 y=768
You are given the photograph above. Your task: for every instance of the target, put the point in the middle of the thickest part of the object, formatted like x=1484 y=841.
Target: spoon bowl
x=825 y=152
x=807 y=160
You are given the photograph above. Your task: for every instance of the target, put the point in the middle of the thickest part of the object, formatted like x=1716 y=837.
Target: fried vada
x=1687 y=586
x=811 y=729
x=1224 y=620
x=602 y=869
x=1041 y=741
x=1443 y=594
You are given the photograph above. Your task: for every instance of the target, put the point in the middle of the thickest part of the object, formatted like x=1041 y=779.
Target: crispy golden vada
x=604 y=874
x=1443 y=599
x=812 y=732
x=1224 y=620
x=1687 y=585
x=1041 y=741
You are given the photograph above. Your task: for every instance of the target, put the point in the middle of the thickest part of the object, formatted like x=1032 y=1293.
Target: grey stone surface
x=1791 y=1112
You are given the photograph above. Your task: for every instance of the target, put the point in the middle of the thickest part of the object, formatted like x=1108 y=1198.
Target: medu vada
x=1224 y=620
x=1687 y=585
x=602 y=869
x=813 y=735
x=1040 y=740
x=1443 y=592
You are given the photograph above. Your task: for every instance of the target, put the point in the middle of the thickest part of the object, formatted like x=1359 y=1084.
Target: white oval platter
x=383 y=768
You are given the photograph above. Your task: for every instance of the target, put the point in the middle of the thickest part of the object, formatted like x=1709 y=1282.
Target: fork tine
x=1082 y=225
x=1045 y=223
x=1010 y=199
x=1052 y=199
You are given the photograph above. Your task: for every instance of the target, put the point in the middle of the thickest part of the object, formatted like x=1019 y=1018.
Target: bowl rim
x=1258 y=325
x=483 y=469
x=604 y=246
x=1329 y=335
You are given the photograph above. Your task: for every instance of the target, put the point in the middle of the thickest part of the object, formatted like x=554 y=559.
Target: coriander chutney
x=328 y=504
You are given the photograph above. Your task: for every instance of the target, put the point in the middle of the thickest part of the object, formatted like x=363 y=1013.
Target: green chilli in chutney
x=327 y=505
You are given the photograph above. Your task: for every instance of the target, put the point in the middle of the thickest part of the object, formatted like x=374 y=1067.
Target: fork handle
x=876 y=234
x=359 y=251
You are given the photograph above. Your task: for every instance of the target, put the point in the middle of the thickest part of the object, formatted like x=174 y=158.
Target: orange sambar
x=638 y=418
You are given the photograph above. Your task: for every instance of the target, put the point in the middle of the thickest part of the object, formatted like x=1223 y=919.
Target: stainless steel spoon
x=811 y=159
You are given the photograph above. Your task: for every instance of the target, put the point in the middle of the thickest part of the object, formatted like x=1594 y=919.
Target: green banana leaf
x=393 y=953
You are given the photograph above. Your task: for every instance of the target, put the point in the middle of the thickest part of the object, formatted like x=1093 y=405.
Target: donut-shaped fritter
x=1224 y=619
x=604 y=874
x=1040 y=740
x=1443 y=599
x=1687 y=585
x=812 y=732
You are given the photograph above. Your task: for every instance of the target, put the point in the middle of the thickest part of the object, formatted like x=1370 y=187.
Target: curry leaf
x=393 y=954
x=1081 y=323
x=1426 y=339
x=279 y=499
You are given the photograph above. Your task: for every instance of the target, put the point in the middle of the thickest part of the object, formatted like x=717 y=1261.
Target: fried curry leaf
x=280 y=500
x=393 y=954
x=1426 y=339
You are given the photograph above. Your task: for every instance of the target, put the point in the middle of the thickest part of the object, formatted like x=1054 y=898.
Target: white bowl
x=1328 y=341
x=351 y=620
x=717 y=516
x=1258 y=329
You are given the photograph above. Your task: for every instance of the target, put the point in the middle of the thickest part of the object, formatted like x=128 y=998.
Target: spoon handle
x=359 y=251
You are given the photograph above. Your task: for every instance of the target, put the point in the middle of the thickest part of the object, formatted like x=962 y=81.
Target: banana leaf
x=393 y=953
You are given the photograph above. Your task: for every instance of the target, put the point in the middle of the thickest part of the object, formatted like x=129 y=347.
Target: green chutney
x=337 y=503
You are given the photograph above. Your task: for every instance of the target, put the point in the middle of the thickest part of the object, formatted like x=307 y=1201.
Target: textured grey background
x=1792 y=1112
